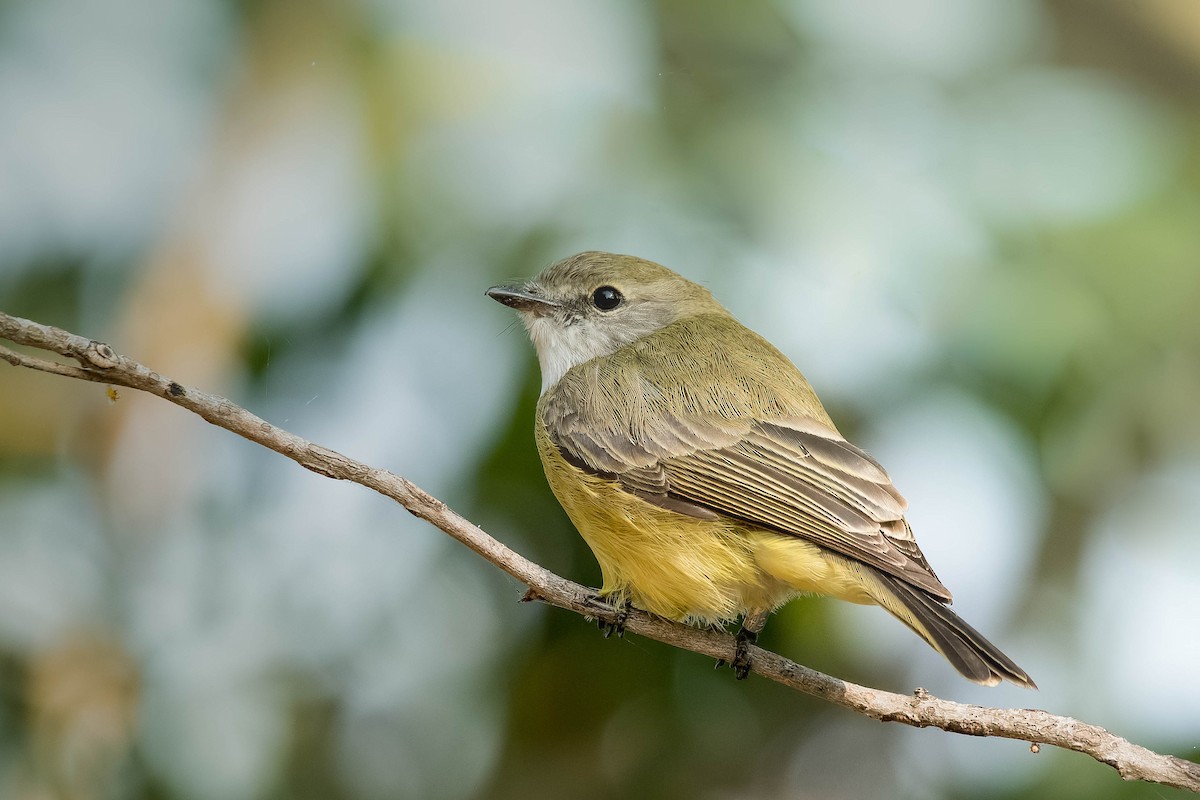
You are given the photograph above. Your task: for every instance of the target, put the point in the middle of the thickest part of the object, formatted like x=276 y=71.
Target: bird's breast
x=665 y=562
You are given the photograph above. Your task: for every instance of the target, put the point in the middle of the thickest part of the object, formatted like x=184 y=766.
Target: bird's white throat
x=561 y=346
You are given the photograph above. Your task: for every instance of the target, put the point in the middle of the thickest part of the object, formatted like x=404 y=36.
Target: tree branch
x=98 y=362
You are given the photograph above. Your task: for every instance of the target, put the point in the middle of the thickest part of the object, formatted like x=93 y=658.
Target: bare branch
x=98 y=362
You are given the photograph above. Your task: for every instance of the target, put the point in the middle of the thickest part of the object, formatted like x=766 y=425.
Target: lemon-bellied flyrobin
x=702 y=470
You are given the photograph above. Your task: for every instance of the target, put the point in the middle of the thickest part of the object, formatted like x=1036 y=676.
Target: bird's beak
x=522 y=298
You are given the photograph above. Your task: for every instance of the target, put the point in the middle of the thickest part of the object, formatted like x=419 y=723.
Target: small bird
x=703 y=472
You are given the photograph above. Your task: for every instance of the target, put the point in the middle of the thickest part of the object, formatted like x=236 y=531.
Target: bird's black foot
x=741 y=653
x=752 y=622
x=617 y=624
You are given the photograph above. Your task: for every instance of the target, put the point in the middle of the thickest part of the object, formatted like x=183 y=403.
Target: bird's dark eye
x=606 y=298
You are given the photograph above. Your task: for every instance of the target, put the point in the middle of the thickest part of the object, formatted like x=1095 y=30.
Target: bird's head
x=593 y=303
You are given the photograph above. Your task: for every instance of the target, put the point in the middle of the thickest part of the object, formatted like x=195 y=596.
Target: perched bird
x=704 y=473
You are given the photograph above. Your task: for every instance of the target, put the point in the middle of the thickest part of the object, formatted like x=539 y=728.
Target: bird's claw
x=617 y=624
x=741 y=654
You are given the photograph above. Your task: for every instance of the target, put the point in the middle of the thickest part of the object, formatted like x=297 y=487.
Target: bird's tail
x=964 y=647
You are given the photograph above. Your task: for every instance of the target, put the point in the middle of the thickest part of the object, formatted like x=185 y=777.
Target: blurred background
x=975 y=225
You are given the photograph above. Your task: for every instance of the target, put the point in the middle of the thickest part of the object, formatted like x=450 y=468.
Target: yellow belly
x=685 y=568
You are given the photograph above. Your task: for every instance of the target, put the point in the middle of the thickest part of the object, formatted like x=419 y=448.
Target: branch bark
x=100 y=363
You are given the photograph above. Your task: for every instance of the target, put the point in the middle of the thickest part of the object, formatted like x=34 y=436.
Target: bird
x=704 y=473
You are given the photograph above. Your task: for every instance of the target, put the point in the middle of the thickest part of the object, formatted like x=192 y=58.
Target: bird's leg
x=752 y=622
x=616 y=624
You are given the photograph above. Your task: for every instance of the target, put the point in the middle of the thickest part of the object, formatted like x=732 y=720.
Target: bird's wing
x=791 y=474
